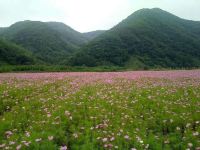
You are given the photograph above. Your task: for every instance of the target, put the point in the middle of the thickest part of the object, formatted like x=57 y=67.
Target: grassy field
x=95 y=111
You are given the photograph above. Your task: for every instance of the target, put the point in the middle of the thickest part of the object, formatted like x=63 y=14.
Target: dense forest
x=149 y=38
x=12 y=54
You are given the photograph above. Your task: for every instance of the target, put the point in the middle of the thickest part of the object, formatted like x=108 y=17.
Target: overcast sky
x=89 y=15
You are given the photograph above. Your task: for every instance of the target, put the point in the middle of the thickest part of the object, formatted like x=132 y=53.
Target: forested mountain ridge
x=50 y=42
x=148 y=38
x=12 y=54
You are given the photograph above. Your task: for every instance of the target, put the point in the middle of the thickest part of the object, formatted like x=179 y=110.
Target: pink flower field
x=136 y=110
x=92 y=76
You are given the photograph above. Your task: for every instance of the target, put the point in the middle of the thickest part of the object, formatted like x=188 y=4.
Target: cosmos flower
x=19 y=147
x=27 y=134
x=8 y=134
x=195 y=133
x=63 y=148
x=38 y=140
x=190 y=144
x=11 y=143
x=104 y=139
x=2 y=145
x=50 y=138
x=75 y=135
x=112 y=139
x=126 y=137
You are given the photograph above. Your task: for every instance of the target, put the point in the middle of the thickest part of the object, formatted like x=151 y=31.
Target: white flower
x=2 y=145
x=50 y=138
x=67 y=113
x=105 y=139
x=11 y=143
x=188 y=125
x=141 y=141
x=195 y=133
x=178 y=128
x=27 y=134
x=164 y=121
x=38 y=140
x=75 y=135
x=190 y=144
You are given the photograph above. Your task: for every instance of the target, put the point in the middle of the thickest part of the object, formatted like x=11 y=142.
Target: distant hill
x=149 y=38
x=51 y=42
x=11 y=54
x=92 y=35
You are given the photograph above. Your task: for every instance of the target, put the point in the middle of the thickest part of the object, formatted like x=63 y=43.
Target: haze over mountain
x=148 y=38
x=93 y=34
x=50 y=42
x=2 y=29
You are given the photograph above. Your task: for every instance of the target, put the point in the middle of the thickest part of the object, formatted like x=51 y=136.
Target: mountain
x=149 y=38
x=68 y=34
x=51 y=42
x=11 y=54
x=2 y=29
x=92 y=35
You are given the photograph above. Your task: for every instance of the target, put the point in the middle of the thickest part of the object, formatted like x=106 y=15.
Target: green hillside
x=149 y=38
x=68 y=34
x=50 y=42
x=11 y=54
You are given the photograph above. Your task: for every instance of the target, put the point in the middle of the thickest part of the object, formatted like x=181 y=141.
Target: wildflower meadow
x=139 y=110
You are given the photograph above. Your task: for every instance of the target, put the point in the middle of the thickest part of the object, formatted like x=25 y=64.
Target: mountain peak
x=156 y=9
x=148 y=38
x=150 y=11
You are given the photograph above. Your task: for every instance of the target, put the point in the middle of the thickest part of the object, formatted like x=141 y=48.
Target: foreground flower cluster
x=88 y=111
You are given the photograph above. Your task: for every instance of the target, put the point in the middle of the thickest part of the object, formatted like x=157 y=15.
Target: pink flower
x=27 y=143
x=112 y=138
x=8 y=134
x=48 y=115
x=19 y=147
x=126 y=137
x=63 y=148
